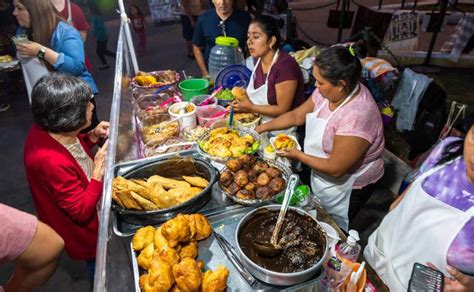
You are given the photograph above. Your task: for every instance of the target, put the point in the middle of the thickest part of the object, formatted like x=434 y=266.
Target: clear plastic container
x=197 y=100
x=226 y=52
x=350 y=249
x=204 y=114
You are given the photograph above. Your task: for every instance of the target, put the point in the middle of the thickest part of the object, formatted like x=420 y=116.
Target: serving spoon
x=272 y=248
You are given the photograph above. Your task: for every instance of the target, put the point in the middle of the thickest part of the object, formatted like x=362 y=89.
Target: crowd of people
x=339 y=125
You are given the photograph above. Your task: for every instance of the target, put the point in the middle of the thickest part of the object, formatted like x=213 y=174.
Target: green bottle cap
x=227 y=41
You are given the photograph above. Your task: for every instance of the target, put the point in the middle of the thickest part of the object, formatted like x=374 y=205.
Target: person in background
x=32 y=245
x=432 y=222
x=344 y=138
x=138 y=25
x=190 y=10
x=74 y=15
x=220 y=21
x=8 y=26
x=276 y=85
x=100 y=34
x=53 y=45
x=65 y=179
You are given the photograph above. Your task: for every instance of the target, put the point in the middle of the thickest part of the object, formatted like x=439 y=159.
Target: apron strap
x=269 y=69
x=69 y=17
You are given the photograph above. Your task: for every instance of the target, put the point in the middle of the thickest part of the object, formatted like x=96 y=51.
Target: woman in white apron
x=431 y=222
x=344 y=135
x=276 y=85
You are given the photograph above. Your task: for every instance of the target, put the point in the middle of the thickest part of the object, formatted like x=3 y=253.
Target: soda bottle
x=299 y=197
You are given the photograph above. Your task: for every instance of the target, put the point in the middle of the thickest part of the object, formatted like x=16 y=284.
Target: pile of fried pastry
x=168 y=255
x=226 y=142
x=249 y=178
x=156 y=192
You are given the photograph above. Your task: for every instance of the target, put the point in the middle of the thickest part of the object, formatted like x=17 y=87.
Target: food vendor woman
x=344 y=135
x=276 y=85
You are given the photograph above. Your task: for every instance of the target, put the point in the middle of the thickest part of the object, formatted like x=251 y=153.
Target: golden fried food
x=253 y=175
x=245 y=194
x=215 y=281
x=146 y=256
x=241 y=178
x=188 y=275
x=199 y=226
x=160 y=276
x=189 y=250
x=273 y=172
x=234 y=165
x=196 y=181
x=239 y=93
x=247 y=159
x=182 y=195
x=246 y=118
x=284 y=142
x=159 y=240
x=260 y=166
x=251 y=186
x=127 y=200
x=166 y=254
x=144 y=203
x=263 y=179
x=263 y=193
x=277 y=185
x=225 y=142
x=117 y=199
x=143 y=237
x=160 y=196
x=233 y=188
x=158 y=133
x=176 y=230
x=168 y=183
x=145 y=80
x=226 y=178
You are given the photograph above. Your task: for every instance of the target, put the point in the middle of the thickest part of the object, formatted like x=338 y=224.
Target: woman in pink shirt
x=344 y=135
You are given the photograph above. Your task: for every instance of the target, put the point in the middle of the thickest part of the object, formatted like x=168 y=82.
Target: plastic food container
x=163 y=78
x=192 y=87
x=194 y=134
x=171 y=145
x=204 y=114
x=198 y=99
x=187 y=119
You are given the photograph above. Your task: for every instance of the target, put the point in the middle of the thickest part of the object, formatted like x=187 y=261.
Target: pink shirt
x=360 y=118
x=17 y=230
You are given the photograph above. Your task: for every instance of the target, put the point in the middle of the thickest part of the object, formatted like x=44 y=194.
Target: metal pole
x=403 y=5
x=342 y=16
x=444 y=5
x=380 y=4
x=128 y=35
x=289 y=25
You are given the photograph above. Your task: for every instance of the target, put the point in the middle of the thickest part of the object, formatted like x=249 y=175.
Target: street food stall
x=161 y=165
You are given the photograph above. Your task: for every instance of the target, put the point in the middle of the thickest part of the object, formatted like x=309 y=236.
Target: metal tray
x=225 y=222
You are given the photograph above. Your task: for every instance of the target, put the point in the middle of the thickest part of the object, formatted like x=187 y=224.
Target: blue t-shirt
x=207 y=29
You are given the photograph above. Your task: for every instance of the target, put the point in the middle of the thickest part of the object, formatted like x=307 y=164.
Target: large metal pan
x=158 y=216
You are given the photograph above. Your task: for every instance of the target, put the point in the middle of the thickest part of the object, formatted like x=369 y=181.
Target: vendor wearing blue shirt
x=212 y=24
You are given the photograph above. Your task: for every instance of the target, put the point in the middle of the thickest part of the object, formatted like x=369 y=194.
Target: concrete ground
x=165 y=50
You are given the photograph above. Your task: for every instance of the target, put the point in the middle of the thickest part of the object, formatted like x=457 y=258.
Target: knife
x=232 y=256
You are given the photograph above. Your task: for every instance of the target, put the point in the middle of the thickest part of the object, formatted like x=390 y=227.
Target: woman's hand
x=99 y=162
x=28 y=49
x=101 y=131
x=290 y=153
x=457 y=282
x=243 y=105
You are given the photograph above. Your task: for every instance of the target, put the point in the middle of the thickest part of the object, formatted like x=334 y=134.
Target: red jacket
x=63 y=196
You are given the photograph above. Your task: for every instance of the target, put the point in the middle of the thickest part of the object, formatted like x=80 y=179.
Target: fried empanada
x=181 y=195
x=144 y=203
x=168 y=183
x=143 y=237
x=196 y=181
x=127 y=200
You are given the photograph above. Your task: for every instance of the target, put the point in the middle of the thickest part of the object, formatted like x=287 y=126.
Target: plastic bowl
x=204 y=114
x=185 y=119
x=193 y=87
x=198 y=99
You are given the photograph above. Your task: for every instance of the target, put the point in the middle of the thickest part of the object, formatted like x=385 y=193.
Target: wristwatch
x=41 y=53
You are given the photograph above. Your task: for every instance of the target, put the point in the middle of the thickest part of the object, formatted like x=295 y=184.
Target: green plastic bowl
x=193 y=87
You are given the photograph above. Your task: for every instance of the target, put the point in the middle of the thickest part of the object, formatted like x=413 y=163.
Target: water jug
x=226 y=52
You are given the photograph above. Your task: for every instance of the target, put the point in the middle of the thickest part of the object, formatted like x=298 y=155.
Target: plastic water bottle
x=226 y=52
x=350 y=249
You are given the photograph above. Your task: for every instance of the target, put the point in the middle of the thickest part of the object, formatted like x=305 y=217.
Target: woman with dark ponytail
x=276 y=85
x=344 y=138
x=432 y=222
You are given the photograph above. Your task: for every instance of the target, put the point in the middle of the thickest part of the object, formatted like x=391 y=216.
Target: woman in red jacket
x=65 y=179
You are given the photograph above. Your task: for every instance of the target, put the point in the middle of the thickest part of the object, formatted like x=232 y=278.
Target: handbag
x=335 y=15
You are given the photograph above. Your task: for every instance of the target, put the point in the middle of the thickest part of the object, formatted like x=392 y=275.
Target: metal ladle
x=272 y=248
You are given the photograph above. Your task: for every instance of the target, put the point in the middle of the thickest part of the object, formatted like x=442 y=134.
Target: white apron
x=420 y=229
x=259 y=96
x=334 y=193
x=33 y=70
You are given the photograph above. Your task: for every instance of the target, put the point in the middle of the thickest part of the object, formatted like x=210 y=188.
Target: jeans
x=102 y=51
